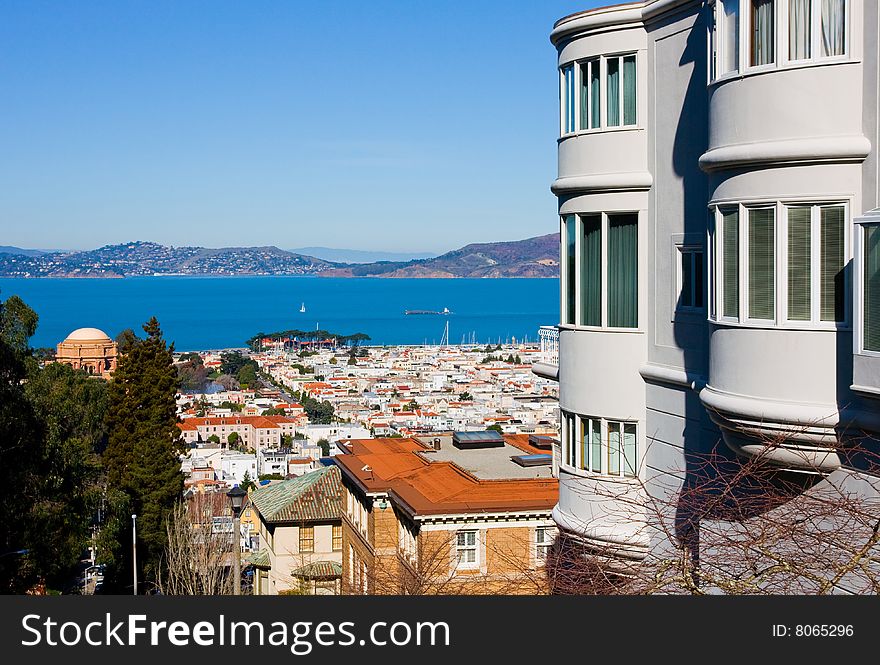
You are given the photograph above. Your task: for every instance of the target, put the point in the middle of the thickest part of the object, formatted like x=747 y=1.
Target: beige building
x=88 y=349
x=300 y=527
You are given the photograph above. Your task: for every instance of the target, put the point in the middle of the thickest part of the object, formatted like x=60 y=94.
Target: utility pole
x=134 y=553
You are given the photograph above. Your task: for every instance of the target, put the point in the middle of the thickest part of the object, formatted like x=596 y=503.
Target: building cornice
x=635 y=181
x=822 y=149
x=630 y=15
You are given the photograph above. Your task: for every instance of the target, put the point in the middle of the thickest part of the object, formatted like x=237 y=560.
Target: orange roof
x=261 y=422
x=423 y=488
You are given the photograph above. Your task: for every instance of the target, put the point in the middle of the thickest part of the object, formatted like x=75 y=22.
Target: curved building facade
x=720 y=264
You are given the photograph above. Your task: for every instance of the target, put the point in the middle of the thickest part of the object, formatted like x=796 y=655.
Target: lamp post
x=134 y=553
x=236 y=497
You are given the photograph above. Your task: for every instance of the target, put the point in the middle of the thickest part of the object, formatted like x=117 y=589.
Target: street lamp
x=134 y=553
x=236 y=497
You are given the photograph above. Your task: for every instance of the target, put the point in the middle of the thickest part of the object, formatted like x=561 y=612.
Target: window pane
x=585 y=443
x=612 y=85
x=568 y=98
x=872 y=288
x=569 y=264
x=832 y=276
x=589 y=86
x=730 y=262
x=630 y=463
x=730 y=36
x=698 y=279
x=629 y=90
x=614 y=449
x=798 y=29
x=799 y=249
x=685 y=298
x=762 y=291
x=595 y=95
x=591 y=271
x=762 y=32
x=833 y=27
x=623 y=270
x=596 y=436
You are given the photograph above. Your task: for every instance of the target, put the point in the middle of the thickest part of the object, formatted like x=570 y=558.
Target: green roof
x=257 y=559
x=315 y=496
x=318 y=570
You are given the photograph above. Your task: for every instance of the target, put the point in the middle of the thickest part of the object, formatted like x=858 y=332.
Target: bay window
x=788 y=268
x=585 y=84
x=600 y=272
x=806 y=30
x=608 y=447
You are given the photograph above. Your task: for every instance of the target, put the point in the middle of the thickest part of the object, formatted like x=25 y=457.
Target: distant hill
x=533 y=257
x=7 y=249
x=359 y=255
x=149 y=258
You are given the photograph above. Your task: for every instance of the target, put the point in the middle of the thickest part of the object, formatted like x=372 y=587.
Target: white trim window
x=466 y=549
x=609 y=447
x=762 y=32
x=544 y=536
x=689 y=278
x=598 y=93
x=600 y=270
x=781 y=264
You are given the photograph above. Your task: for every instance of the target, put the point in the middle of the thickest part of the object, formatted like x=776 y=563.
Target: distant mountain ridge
x=533 y=257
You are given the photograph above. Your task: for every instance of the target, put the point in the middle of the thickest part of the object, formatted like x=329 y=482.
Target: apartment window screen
x=629 y=90
x=831 y=281
x=591 y=271
x=590 y=95
x=569 y=247
x=799 y=264
x=871 y=278
x=729 y=36
x=799 y=29
x=568 y=98
x=730 y=263
x=623 y=270
x=833 y=27
x=762 y=272
x=612 y=86
x=763 y=32
x=591 y=444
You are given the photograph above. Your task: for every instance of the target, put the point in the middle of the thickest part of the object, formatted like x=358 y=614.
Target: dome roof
x=87 y=335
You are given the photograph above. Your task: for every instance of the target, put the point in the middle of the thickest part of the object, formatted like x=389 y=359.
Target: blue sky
x=400 y=126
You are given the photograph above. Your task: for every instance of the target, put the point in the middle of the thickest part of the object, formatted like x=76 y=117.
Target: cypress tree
x=144 y=443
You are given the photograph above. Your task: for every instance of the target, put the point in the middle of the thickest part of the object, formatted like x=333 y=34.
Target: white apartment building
x=718 y=168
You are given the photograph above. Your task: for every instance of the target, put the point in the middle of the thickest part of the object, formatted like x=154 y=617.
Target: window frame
x=459 y=549
x=334 y=538
x=781 y=206
x=781 y=41
x=577 y=86
x=575 y=319
x=860 y=285
x=573 y=445
x=543 y=543
x=679 y=250
x=306 y=530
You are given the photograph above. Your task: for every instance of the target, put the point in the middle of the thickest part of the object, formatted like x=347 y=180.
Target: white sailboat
x=302 y=308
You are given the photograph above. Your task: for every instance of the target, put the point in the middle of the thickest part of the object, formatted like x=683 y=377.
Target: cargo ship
x=426 y=311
